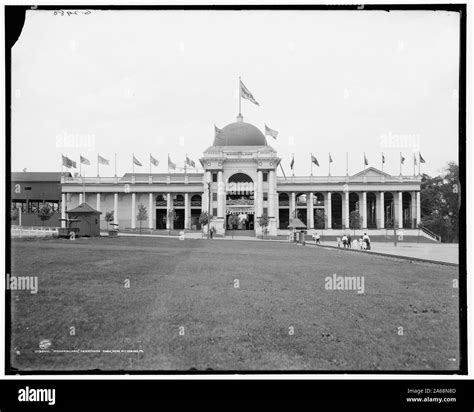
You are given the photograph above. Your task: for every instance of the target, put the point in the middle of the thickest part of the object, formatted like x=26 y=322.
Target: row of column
x=151 y=209
x=380 y=212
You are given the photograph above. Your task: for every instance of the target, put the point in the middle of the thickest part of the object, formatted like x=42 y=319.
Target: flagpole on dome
x=240 y=98
x=80 y=164
x=311 y=159
x=133 y=163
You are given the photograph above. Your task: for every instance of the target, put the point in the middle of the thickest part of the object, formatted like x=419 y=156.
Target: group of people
x=363 y=242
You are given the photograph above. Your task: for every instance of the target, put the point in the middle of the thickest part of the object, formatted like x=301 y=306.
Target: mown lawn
x=183 y=311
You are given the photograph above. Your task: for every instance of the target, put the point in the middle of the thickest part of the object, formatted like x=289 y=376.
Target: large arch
x=283 y=210
x=406 y=210
x=389 y=210
x=371 y=210
x=319 y=213
x=336 y=210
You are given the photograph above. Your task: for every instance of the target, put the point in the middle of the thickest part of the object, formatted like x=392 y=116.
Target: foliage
x=355 y=220
x=109 y=217
x=440 y=203
x=142 y=215
x=233 y=220
x=45 y=213
x=204 y=218
x=263 y=221
x=14 y=214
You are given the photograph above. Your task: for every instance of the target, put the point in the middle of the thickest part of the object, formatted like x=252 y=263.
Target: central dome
x=240 y=134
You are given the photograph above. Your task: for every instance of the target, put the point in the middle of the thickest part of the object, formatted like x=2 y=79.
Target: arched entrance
x=389 y=210
x=240 y=203
x=406 y=210
x=371 y=210
x=319 y=217
x=284 y=210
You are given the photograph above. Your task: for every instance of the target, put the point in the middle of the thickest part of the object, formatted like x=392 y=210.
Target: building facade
x=240 y=184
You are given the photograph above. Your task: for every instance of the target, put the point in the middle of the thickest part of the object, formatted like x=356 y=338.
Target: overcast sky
x=157 y=82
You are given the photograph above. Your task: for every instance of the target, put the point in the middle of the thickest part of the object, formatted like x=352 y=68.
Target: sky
x=157 y=81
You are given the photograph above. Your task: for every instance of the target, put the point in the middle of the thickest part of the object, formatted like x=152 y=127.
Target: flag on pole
x=270 y=132
x=190 y=162
x=101 y=160
x=383 y=158
x=366 y=161
x=314 y=160
x=414 y=159
x=402 y=159
x=136 y=161
x=85 y=161
x=246 y=94
x=216 y=131
x=68 y=163
x=292 y=162
x=330 y=158
x=153 y=161
x=421 y=158
x=171 y=165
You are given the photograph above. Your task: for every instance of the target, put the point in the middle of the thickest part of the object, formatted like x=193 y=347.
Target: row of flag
x=69 y=163
x=417 y=160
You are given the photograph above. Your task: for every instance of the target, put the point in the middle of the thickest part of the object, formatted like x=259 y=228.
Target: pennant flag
x=190 y=162
x=414 y=159
x=136 y=161
x=245 y=93
x=421 y=158
x=402 y=159
x=330 y=158
x=153 y=161
x=270 y=132
x=101 y=160
x=171 y=165
x=366 y=161
x=85 y=161
x=314 y=160
x=216 y=131
x=383 y=159
x=292 y=162
x=68 y=162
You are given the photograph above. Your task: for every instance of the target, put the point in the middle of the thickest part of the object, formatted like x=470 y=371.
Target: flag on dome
x=421 y=158
x=246 y=94
x=216 y=131
x=314 y=160
x=270 y=132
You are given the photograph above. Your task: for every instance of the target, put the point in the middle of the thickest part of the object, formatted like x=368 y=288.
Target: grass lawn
x=182 y=309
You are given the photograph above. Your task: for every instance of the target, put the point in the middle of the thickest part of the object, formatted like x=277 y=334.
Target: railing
x=19 y=231
x=133 y=179
x=431 y=234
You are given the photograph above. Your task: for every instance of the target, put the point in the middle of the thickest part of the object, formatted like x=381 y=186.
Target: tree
x=319 y=219
x=440 y=203
x=45 y=213
x=355 y=220
x=109 y=217
x=142 y=215
x=204 y=219
x=263 y=221
x=233 y=220
x=172 y=218
x=14 y=214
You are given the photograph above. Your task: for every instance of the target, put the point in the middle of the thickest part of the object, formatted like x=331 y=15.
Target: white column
x=97 y=203
x=292 y=205
x=187 y=210
x=413 y=210
x=364 y=210
x=168 y=208
x=381 y=210
x=151 y=211
x=328 y=211
x=418 y=207
x=116 y=208
x=400 y=210
x=346 y=209
x=134 y=217
x=80 y=198
x=260 y=193
x=63 y=209
x=272 y=195
x=309 y=211
x=220 y=194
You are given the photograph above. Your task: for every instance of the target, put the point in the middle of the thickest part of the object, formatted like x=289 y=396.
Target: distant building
x=241 y=169
x=32 y=190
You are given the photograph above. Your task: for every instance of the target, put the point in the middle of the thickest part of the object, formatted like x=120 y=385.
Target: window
x=265 y=195
x=214 y=211
x=265 y=176
x=265 y=211
x=19 y=204
x=214 y=197
x=214 y=177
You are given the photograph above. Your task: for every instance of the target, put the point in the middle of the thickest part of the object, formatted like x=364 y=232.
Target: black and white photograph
x=236 y=190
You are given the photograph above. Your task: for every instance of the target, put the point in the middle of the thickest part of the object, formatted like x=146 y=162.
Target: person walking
x=318 y=239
